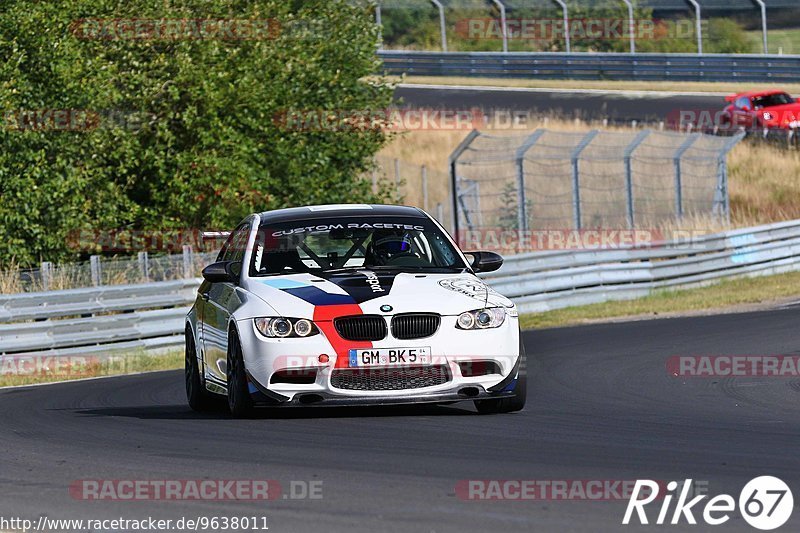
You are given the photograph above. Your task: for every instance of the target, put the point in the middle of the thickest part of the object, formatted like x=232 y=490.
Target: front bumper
x=450 y=348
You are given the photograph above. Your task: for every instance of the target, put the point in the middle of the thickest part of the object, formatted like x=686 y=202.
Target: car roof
x=751 y=94
x=339 y=210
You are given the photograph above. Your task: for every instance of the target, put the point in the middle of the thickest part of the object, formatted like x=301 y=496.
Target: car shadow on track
x=182 y=412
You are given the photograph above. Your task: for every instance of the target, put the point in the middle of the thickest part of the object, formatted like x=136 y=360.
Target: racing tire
x=511 y=404
x=199 y=398
x=240 y=403
x=505 y=405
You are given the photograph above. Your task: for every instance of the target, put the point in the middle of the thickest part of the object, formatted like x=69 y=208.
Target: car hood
x=300 y=295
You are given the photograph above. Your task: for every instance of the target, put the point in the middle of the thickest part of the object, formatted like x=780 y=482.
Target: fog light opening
x=469 y=392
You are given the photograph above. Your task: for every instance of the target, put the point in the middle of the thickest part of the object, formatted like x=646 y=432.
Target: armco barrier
x=544 y=281
x=595 y=66
x=93 y=320
x=151 y=315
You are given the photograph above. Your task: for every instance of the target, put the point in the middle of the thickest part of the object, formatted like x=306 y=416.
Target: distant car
x=353 y=305
x=762 y=110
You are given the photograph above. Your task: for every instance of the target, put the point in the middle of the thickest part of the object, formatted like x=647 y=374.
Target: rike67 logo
x=765 y=503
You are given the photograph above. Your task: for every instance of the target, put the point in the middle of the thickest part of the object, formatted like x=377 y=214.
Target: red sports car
x=767 y=110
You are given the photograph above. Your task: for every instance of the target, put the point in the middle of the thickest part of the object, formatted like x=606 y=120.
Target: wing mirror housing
x=485 y=261
x=222 y=272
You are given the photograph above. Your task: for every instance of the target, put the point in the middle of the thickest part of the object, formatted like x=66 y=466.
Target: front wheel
x=505 y=405
x=516 y=402
x=239 y=401
x=196 y=394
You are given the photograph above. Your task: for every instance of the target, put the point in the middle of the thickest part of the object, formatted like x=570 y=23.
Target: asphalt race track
x=601 y=406
x=588 y=105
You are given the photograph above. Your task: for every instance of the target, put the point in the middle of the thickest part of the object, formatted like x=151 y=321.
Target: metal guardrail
x=543 y=281
x=595 y=66
x=125 y=317
x=101 y=319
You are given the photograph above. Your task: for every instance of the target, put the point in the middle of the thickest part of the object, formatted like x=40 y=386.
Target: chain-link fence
x=554 y=179
x=417 y=185
x=99 y=271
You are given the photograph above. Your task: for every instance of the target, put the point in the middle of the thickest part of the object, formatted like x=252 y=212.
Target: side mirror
x=485 y=261
x=221 y=272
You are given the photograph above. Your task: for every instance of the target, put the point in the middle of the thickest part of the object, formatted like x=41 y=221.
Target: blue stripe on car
x=316 y=296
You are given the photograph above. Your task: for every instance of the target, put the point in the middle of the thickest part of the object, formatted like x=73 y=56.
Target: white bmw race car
x=350 y=305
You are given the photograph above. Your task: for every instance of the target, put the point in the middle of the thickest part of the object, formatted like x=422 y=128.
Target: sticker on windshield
x=355 y=225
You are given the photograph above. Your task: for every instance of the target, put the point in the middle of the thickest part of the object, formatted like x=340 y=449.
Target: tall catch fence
x=566 y=180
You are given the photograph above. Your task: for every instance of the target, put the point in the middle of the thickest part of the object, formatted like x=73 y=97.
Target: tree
x=182 y=129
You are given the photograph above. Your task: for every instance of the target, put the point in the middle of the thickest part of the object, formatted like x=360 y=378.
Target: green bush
x=206 y=149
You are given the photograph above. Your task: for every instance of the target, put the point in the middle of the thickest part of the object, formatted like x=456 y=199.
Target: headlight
x=285 y=327
x=492 y=317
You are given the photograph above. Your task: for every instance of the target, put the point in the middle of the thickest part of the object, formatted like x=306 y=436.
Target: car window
x=401 y=243
x=743 y=103
x=771 y=100
x=234 y=247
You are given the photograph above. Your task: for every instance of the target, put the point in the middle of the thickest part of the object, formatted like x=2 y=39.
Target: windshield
x=771 y=100
x=325 y=245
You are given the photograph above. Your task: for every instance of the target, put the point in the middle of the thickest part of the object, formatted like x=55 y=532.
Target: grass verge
x=604 y=85
x=780 y=41
x=21 y=370
x=725 y=296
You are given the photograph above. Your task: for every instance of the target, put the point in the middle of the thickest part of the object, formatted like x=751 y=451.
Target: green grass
x=29 y=371
x=723 y=296
x=780 y=41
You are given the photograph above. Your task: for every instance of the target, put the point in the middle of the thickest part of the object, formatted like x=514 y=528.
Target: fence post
x=46 y=271
x=94 y=267
x=522 y=215
x=639 y=139
x=503 y=23
x=144 y=265
x=442 y=26
x=374 y=176
x=397 y=176
x=679 y=173
x=425 y=188
x=698 y=26
x=631 y=26
x=722 y=176
x=764 y=38
x=379 y=23
x=565 y=13
x=453 y=164
x=188 y=261
x=576 y=179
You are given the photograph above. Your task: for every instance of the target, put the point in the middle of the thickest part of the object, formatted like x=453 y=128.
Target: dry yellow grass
x=113 y=365
x=764 y=185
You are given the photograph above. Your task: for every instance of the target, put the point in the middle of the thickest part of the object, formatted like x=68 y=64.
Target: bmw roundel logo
x=386 y=308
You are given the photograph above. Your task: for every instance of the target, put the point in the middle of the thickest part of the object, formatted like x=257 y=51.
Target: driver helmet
x=386 y=246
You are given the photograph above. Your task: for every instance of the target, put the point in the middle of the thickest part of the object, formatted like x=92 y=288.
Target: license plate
x=366 y=357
